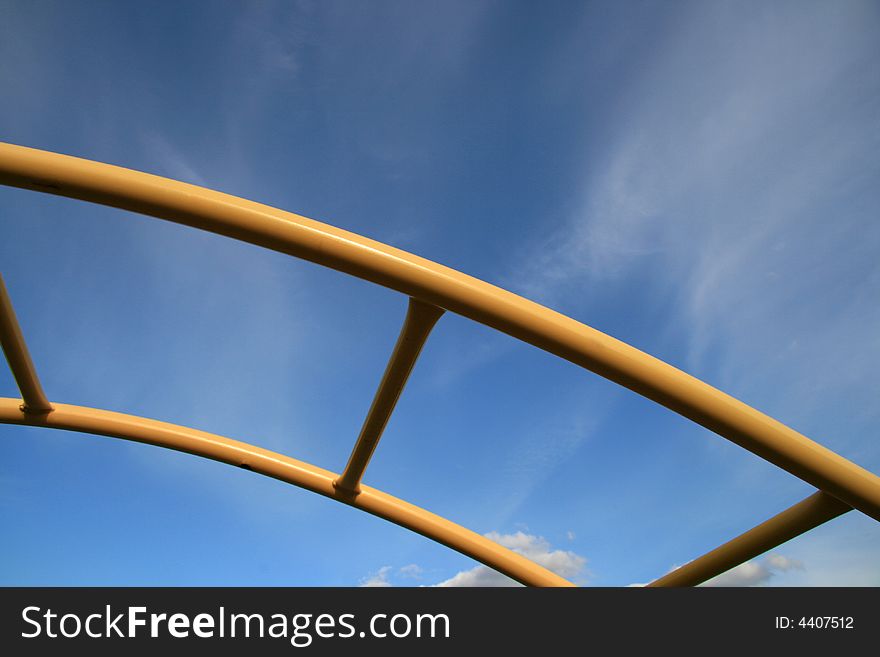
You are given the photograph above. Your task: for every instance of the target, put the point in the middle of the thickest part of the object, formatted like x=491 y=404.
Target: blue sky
x=699 y=179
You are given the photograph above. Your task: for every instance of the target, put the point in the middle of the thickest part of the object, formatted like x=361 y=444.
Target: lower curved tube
x=445 y=288
x=292 y=471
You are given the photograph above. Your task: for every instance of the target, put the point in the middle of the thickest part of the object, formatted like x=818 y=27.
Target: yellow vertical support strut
x=19 y=358
x=420 y=319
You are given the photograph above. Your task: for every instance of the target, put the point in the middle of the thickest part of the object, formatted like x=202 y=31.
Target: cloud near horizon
x=755 y=573
x=564 y=563
x=750 y=573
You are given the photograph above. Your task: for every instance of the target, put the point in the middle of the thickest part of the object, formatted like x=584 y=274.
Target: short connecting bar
x=16 y=351
x=420 y=319
x=807 y=514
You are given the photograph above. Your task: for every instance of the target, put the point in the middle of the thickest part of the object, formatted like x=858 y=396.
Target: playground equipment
x=432 y=289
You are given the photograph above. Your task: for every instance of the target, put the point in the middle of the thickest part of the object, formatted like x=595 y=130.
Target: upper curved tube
x=446 y=288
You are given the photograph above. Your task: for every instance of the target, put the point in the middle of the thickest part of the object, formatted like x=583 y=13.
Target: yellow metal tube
x=807 y=514
x=420 y=319
x=446 y=288
x=292 y=471
x=16 y=351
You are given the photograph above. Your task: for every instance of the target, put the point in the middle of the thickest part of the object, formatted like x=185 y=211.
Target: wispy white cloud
x=480 y=576
x=412 y=571
x=842 y=553
x=738 y=203
x=755 y=573
x=379 y=579
x=538 y=449
x=750 y=573
x=383 y=576
x=467 y=355
x=172 y=162
x=565 y=563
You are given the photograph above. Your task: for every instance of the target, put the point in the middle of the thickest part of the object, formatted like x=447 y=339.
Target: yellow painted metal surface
x=19 y=359
x=807 y=514
x=278 y=466
x=420 y=319
x=433 y=286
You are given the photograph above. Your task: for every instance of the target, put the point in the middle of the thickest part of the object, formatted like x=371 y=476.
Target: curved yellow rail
x=435 y=285
x=284 y=468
